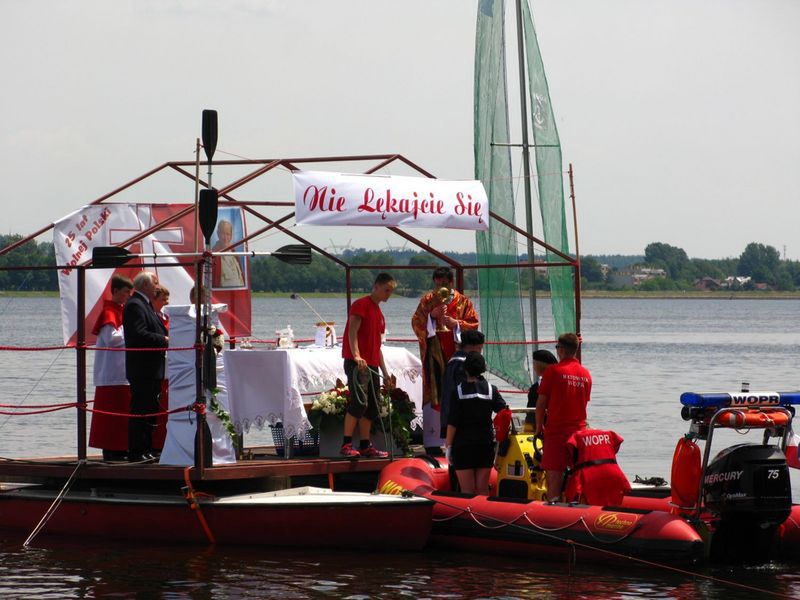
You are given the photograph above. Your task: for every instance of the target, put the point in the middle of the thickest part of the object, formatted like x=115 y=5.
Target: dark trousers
x=144 y=401
x=364 y=400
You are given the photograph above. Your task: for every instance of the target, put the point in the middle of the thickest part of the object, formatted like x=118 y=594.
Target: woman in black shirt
x=470 y=436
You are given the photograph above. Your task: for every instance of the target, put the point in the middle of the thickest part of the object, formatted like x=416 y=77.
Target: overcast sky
x=682 y=118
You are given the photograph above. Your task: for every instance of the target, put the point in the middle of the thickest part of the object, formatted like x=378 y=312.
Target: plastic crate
x=304 y=445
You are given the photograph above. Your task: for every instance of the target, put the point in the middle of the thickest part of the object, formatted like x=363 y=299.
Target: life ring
x=752 y=418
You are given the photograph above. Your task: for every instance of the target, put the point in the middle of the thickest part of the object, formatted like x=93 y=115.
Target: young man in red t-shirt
x=563 y=394
x=361 y=350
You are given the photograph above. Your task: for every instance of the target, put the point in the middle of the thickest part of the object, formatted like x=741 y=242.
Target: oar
x=210 y=132
x=293 y=254
x=208 y=212
x=107 y=257
x=207 y=216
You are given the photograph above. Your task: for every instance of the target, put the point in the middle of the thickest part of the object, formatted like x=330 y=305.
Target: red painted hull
x=542 y=530
x=785 y=544
x=361 y=524
x=788 y=535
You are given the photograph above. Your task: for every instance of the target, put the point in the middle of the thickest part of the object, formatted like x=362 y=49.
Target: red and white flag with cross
x=77 y=234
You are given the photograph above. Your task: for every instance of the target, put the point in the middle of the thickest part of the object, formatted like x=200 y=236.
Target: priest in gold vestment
x=441 y=316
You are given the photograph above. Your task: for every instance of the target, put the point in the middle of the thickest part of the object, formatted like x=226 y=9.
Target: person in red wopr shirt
x=563 y=395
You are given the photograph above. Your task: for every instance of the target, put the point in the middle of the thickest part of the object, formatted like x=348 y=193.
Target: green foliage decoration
x=224 y=417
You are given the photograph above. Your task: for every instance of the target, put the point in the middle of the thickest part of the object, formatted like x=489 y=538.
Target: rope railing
x=17 y=413
x=176 y=349
x=394 y=340
x=33 y=348
x=189 y=407
x=60 y=404
x=510 y=391
x=48 y=408
x=95 y=348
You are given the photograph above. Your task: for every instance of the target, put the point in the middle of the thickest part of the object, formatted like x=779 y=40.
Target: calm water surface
x=642 y=355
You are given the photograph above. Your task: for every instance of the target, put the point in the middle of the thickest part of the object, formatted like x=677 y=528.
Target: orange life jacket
x=595 y=476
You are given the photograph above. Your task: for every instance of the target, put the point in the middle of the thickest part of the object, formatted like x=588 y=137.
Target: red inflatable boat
x=538 y=529
x=734 y=507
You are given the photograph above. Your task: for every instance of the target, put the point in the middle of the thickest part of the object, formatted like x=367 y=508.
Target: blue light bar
x=740 y=399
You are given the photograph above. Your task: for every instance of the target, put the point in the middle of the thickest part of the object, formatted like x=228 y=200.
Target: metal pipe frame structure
x=254 y=208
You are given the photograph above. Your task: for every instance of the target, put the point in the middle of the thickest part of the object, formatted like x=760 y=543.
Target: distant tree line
x=29 y=254
x=761 y=263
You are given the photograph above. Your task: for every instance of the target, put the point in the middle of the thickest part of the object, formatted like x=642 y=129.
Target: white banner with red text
x=77 y=234
x=327 y=198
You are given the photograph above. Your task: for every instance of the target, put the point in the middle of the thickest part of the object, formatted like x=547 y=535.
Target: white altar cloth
x=267 y=386
x=181 y=426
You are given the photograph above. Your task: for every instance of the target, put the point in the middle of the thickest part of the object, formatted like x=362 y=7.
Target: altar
x=266 y=387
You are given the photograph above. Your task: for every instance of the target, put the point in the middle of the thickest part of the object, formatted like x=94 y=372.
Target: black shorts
x=472 y=456
x=361 y=390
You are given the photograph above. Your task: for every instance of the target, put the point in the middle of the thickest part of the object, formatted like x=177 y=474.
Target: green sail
x=500 y=301
x=549 y=179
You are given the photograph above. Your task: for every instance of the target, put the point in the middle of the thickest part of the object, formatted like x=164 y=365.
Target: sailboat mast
x=526 y=170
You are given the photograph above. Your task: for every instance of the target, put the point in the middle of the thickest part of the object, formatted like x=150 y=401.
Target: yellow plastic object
x=518 y=472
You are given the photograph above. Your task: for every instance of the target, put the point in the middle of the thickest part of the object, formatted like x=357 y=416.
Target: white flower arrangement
x=395 y=411
x=332 y=402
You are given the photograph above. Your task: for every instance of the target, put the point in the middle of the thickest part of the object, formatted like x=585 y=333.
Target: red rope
x=523 y=342
x=100 y=348
x=488 y=343
x=35 y=412
x=132 y=416
x=415 y=340
x=191 y=498
x=63 y=404
x=251 y=341
x=57 y=407
x=33 y=348
x=48 y=348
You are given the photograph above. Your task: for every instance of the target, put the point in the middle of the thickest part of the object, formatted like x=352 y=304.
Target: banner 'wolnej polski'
x=325 y=198
x=77 y=234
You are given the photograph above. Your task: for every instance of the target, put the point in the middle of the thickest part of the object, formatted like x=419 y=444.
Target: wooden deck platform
x=259 y=471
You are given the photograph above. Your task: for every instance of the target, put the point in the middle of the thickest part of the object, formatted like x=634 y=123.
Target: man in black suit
x=144 y=370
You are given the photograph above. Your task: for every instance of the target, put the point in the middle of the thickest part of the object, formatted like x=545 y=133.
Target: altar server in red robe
x=112 y=392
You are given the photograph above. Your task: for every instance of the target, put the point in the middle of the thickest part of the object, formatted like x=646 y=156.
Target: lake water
x=642 y=354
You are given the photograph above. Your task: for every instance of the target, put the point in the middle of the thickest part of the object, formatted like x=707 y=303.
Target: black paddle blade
x=209 y=133
x=109 y=257
x=294 y=254
x=209 y=365
x=208 y=212
x=203 y=444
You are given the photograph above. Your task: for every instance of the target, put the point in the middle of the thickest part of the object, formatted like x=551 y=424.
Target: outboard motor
x=747 y=487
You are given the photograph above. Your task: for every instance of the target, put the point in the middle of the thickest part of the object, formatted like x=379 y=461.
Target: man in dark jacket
x=143 y=370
